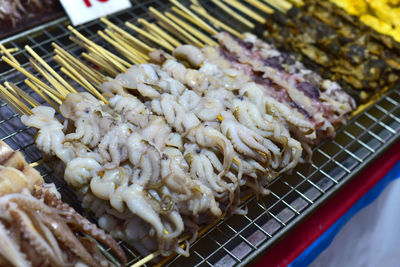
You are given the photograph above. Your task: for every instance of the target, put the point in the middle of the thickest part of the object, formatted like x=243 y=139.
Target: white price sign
x=81 y=11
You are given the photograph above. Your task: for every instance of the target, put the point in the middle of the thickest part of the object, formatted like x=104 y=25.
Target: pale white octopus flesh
x=176 y=143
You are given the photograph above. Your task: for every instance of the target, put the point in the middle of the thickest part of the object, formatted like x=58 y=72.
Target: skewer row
x=133 y=51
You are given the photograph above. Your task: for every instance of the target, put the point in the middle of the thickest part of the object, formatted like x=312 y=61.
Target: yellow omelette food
x=381 y=15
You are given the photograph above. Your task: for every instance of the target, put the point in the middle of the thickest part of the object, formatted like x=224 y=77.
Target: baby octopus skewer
x=220 y=97
x=174 y=144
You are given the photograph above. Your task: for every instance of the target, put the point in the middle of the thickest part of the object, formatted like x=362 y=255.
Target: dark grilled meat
x=337 y=46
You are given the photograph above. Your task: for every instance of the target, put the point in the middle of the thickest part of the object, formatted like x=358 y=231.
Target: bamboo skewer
x=184 y=15
x=218 y=24
x=100 y=50
x=103 y=63
x=71 y=72
x=49 y=93
x=158 y=41
x=133 y=51
x=285 y=5
x=7 y=52
x=191 y=19
x=100 y=63
x=107 y=60
x=141 y=53
x=120 y=48
x=73 y=77
x=92 y=75
x=159 y=32
x=297 y=2
x=108 y=56
x=127 y=35
x=88 y=86
x=35 y=164
x=15 y=102
x=32 y=77
x=146 y=259
x=30 y=100
x=11 y=103
x=234 y=14
x=261 y=6
x=165 y=28
x=40 y=93
x=194 y=31
x=195 y=18
x=48 y=77
x=170 y=24
x=50 y=69
x=280 y=5
x=21 y=94
x=207 y=40
x=14 y=92
x=239 y=6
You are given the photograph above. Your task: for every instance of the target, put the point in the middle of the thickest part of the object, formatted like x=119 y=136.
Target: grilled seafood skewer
x=337 y=46
x=46 y=226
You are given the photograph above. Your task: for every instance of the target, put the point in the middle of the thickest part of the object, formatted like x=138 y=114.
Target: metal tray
x=237 y=239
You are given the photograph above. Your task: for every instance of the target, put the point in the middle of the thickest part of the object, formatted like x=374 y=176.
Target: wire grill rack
x=237 y=239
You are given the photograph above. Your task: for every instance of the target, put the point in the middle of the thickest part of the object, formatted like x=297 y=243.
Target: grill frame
x=237 y=239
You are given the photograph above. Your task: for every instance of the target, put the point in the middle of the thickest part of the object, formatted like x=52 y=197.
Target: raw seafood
x=177 y=143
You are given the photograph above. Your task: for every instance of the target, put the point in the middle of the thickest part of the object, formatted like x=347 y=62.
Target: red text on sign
x=88 y=4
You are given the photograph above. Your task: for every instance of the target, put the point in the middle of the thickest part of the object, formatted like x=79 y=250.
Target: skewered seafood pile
x=37 y=228
x=19 y=14
x=381 y=15
x=182 y=138
x=337 y=46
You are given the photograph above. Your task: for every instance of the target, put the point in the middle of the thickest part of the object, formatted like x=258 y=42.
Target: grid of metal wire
x=238 y=239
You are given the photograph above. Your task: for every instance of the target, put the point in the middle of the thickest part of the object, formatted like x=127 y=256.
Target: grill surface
x=238 y=239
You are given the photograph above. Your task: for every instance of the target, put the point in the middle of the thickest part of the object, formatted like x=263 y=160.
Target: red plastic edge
x=306 y=233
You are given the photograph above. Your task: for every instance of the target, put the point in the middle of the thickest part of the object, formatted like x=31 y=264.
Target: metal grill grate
x=237 y=239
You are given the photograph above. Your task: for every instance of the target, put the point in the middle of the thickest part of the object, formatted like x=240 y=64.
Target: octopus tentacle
x=91 y=247
x=175 y=218
x=27 y=203
x=10 y=251
x=112 y=146
x=64 y=234
x=239 y=141
x=48 y=235
x=35 y=239
x=79 y=222
x=202 y=169
x=210 y=137
x=218 y=166
x=305 y=126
